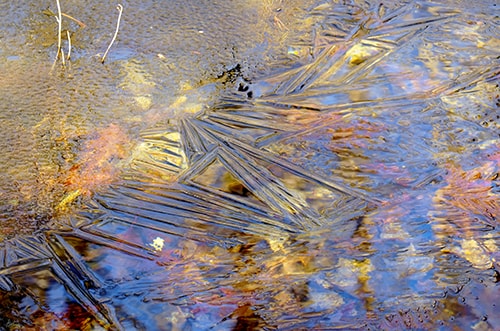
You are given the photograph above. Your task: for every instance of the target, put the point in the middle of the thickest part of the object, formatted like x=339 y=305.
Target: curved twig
x=69 y=45
x=59 y=21
x=120 y=10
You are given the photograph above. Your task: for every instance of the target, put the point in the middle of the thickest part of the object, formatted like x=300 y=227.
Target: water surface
x=250 y=165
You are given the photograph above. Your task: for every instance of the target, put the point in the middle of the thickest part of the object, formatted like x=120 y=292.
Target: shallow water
x=250 y=165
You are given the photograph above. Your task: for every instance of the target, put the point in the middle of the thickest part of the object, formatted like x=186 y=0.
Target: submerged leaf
x=99 y=160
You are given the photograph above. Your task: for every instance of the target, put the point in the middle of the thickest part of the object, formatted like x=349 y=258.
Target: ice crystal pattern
x=271 y=164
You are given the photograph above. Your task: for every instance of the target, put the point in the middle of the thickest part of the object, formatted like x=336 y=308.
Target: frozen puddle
x=353 y=187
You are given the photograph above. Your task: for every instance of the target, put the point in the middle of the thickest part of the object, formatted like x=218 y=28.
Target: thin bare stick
x=80 y=23
x=48 y=12
x=58 y=48
x=59 y=21
x=69 y=45
x=120 y=9
x=62 y=58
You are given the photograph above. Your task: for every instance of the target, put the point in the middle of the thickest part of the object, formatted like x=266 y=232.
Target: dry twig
x=120 y=10
x=48 y=12
x=80 y=23
x=59 y=21
x=62 y=58
x=69 y=44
